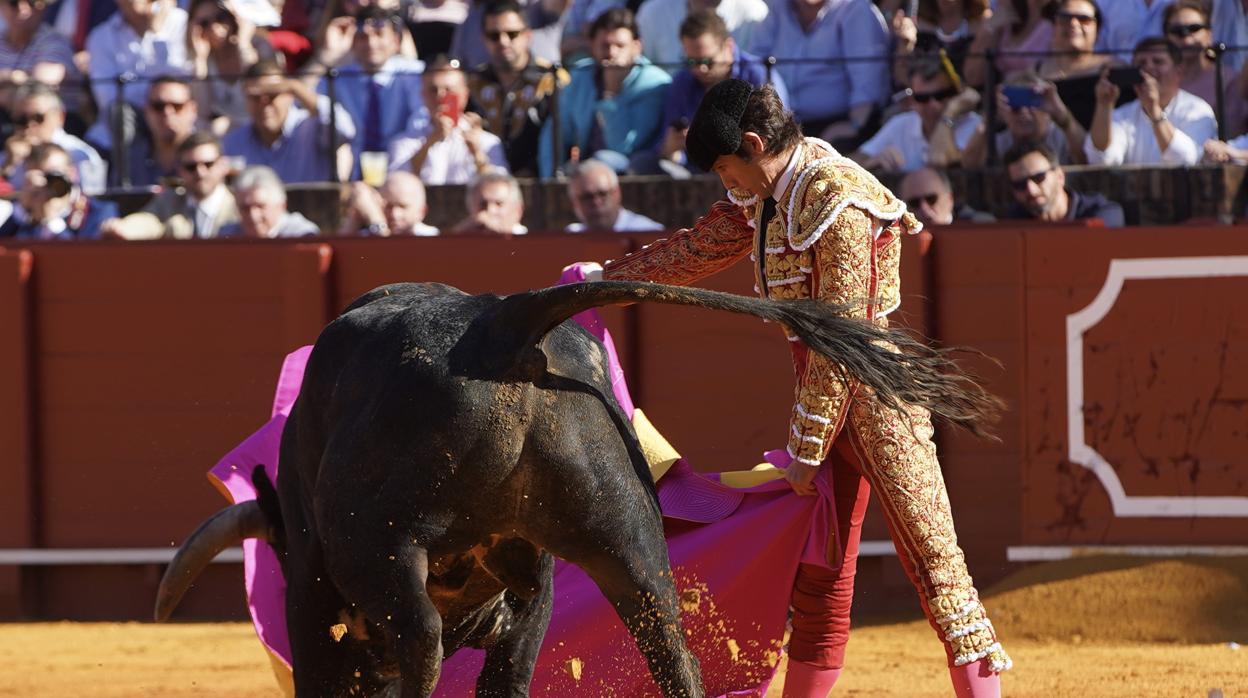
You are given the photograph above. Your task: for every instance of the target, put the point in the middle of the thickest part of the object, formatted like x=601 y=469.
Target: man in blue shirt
x=613 y=108
x=292 y=139
x=380 y=88
x=842 y=76
x=711 y=56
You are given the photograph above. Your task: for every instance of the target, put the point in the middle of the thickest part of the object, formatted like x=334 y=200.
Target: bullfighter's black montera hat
x=716 y=127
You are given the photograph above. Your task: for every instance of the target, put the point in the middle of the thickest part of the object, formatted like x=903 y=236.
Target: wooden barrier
x=127 y=370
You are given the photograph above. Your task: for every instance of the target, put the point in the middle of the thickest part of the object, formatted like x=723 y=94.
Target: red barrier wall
x=127 y=370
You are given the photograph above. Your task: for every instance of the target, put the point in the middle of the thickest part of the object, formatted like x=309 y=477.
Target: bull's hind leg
x=509 y=662
x=391 y=591
x=629 y=564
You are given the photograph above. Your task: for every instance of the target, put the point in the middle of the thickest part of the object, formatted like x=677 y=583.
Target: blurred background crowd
x=217 y=107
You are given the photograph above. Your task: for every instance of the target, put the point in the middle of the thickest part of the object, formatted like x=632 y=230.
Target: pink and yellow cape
x=734 y=540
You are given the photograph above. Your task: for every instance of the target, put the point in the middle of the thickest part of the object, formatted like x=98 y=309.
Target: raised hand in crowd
x=905 y=33
x=1102 y=119
x=943 y=150
x=474 y=130
x=336 y=44
x=1064 y=120
x=364 y=212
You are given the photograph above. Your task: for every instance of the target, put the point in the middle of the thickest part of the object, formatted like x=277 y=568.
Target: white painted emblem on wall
x=1121 y=270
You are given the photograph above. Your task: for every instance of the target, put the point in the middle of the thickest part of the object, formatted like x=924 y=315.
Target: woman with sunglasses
x=1187 y=26
x=1075 y=27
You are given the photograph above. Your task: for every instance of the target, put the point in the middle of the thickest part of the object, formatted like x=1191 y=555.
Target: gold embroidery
x=899 y=460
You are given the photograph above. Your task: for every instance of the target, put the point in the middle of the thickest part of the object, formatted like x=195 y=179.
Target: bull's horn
x=223 y=529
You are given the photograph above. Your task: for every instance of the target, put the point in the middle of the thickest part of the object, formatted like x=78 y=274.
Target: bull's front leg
x=510 y=660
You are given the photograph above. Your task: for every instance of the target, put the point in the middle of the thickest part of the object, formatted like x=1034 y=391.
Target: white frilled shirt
x=1132 y=142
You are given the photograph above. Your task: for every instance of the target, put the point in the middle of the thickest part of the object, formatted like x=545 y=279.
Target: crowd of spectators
x=216 y=105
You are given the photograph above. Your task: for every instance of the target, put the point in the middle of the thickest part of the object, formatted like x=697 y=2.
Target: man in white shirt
x=450 y=147
x=39 y=117
x=658 y=22
x=935 y=131
x=594 y=190
x=1165 y=126
x=144 y=39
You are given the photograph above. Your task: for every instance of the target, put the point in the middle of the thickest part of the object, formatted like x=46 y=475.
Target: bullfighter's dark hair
x=765 y=115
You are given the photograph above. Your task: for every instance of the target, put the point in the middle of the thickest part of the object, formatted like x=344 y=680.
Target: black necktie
x=769 y=212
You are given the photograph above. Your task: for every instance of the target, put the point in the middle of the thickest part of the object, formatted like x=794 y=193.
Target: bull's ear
x=577 y=356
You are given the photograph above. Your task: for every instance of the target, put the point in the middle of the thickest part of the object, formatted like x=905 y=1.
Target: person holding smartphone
x=1164 y=126
x=451 y=147
x=1033 y=111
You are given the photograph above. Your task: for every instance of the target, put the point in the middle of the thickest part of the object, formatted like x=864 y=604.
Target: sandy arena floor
x=1090 y=627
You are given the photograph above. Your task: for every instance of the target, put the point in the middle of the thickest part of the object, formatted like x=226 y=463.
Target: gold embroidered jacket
x=836 y=236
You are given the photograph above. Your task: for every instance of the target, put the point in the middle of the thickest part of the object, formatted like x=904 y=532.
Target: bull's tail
x=896 y=366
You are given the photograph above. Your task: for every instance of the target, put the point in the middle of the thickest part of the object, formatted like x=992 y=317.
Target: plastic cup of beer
x=373 y=168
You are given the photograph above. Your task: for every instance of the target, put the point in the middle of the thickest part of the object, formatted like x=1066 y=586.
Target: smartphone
x=1126 y=77
x=912 y=8
x=448 y=104
x=1019 y=96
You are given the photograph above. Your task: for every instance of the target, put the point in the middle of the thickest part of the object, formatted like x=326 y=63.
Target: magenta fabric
x=734 y=568
x=266 y=588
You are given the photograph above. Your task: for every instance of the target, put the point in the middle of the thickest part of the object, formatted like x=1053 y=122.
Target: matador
x=816 y=225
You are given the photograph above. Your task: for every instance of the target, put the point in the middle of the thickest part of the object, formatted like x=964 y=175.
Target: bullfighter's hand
x=801 y=478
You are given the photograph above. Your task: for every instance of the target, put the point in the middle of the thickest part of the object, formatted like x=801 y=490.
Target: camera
x=58 y=184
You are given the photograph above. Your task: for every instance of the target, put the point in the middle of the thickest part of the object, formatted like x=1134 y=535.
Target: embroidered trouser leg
x=898 y=458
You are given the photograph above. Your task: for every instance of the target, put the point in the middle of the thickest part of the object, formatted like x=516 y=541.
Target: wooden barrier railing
x=127 y=370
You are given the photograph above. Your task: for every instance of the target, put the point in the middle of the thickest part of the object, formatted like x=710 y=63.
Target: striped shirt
x=46 y=46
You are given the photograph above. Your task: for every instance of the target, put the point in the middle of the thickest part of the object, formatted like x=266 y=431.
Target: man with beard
x=1038 y=183
x=514 y=91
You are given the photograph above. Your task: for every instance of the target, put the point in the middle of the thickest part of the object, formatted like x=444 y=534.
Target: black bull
x=444 y=446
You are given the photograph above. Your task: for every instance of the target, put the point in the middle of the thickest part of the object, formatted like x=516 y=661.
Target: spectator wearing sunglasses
x=200 y=207
x=144 y=39
x=50 y=204
x=928 y=194
x=1186 y=24
x=1038 y=184
x=380 y=88
x=171 y=115
x=665 y=48
x=1076 y=25
x=935 y=130
x=39 y=117
x=1164 y=126
x=291 y=138
x=513 y=91
x=711 y=56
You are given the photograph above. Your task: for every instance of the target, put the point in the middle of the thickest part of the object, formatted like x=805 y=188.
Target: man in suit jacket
x=200 y=208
